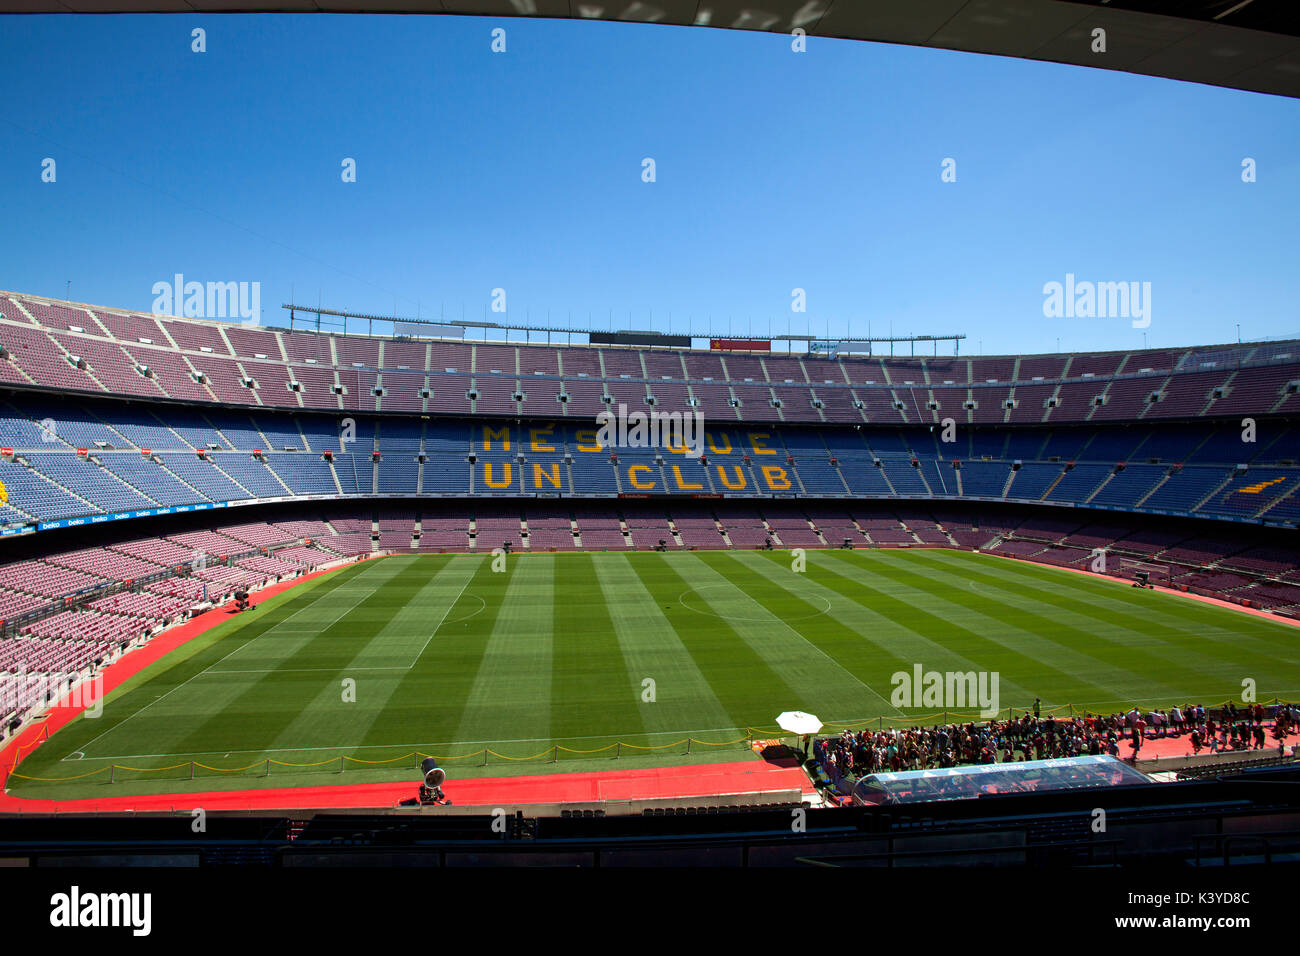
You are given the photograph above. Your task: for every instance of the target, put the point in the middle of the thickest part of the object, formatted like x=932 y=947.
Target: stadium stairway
x=91 y=507
x=1046 y=495
x=726 y=538
x=1164 y=480
x=1088 y=499
x=108 y=472
x=1287 y=490
x=1214 y=493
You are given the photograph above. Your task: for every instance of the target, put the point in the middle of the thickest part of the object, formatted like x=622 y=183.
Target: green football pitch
x=573 y=661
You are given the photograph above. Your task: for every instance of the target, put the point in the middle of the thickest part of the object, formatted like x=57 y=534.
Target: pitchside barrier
x=194 y=770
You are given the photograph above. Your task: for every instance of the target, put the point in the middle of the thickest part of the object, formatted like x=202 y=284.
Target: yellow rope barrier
x=722 y=743
x=79 y=776
x=175 y=766
x=477 y=753
x=544 y=753
x=752 y=733
x=228 y=769
x=359 y=760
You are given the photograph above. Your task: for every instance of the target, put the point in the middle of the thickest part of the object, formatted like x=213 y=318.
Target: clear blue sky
x=522 y=170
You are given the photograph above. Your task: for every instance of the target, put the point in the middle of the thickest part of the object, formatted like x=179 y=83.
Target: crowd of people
x=1034 y=737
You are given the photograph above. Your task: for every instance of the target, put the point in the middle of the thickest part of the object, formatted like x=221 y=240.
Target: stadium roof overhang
x=1240 y=44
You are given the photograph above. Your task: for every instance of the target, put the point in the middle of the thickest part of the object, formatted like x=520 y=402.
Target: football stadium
x=478 y=562
x=447 y=586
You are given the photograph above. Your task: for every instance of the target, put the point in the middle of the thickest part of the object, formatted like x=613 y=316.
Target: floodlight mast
x=454 y=329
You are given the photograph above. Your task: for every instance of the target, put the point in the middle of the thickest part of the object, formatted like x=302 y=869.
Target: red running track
x=1163 y=748
x=651 y=783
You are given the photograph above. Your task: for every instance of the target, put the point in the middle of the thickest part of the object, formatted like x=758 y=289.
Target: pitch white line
x=204 y=671
x=781 y=621
x=309 y=670
x=459 y=595
x=316 y=630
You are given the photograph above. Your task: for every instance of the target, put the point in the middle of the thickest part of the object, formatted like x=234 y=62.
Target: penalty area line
x=460 y=594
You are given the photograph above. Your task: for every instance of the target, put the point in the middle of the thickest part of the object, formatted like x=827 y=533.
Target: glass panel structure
x=969 y=782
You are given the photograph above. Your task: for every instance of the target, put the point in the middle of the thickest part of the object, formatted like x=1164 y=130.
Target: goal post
x=1162 y=574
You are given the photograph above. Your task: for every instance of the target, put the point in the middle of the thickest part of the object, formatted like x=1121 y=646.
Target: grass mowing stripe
x=1034 y=638
x=268 y=704
x=275 y=647
x=1131 y=669
x=812 y=621
x=652 y=647
x=447 y=610
x=741 y=678
x=1177 y=620
x=302 y=603
x=887 y=645
x=816 y=679
x=512 y=687
x=1185 y=614
x=1128 y=624
x=977 y=630
x=404 y=628
x=588 y=670
x=905 y=644
x=344 y=627
x=192 y=660
x=428 y=701
x=342 y=715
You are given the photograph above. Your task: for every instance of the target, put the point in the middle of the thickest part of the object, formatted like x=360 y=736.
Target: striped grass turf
x=565 y=662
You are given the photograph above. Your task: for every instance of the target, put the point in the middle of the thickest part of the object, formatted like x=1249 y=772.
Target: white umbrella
x=797 y=722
